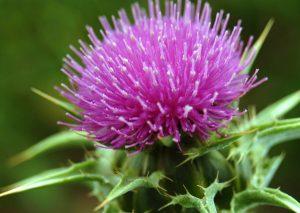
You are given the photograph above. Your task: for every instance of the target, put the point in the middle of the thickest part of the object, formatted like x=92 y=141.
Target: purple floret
x=166 y=74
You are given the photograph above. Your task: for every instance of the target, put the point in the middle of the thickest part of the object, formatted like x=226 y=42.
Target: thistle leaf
x=204 y=205
x=251 y=198
x=278 y=109
x=210 y=192
x=216 y=145
x=54 y=181
x=64 y=105
x=274 y=123
x=59 y=172
x=272 y=136
x=259 y=43
x=125 y=186
x=265 y=171
x=58 y=140
x=187 y=201
x=55 y=177
x=265 y=136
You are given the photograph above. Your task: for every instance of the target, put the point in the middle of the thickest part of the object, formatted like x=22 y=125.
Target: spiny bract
x=165 y=74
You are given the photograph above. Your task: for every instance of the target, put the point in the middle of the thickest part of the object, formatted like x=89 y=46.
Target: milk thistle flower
x=175 y=73
x=163 y=75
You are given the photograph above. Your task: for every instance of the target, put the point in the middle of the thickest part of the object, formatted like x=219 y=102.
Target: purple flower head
x=163 y=75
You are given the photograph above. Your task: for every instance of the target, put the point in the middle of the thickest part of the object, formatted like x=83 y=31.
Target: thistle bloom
x=163 y=75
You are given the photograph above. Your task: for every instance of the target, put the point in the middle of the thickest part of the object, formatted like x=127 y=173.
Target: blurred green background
x=34 y=37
